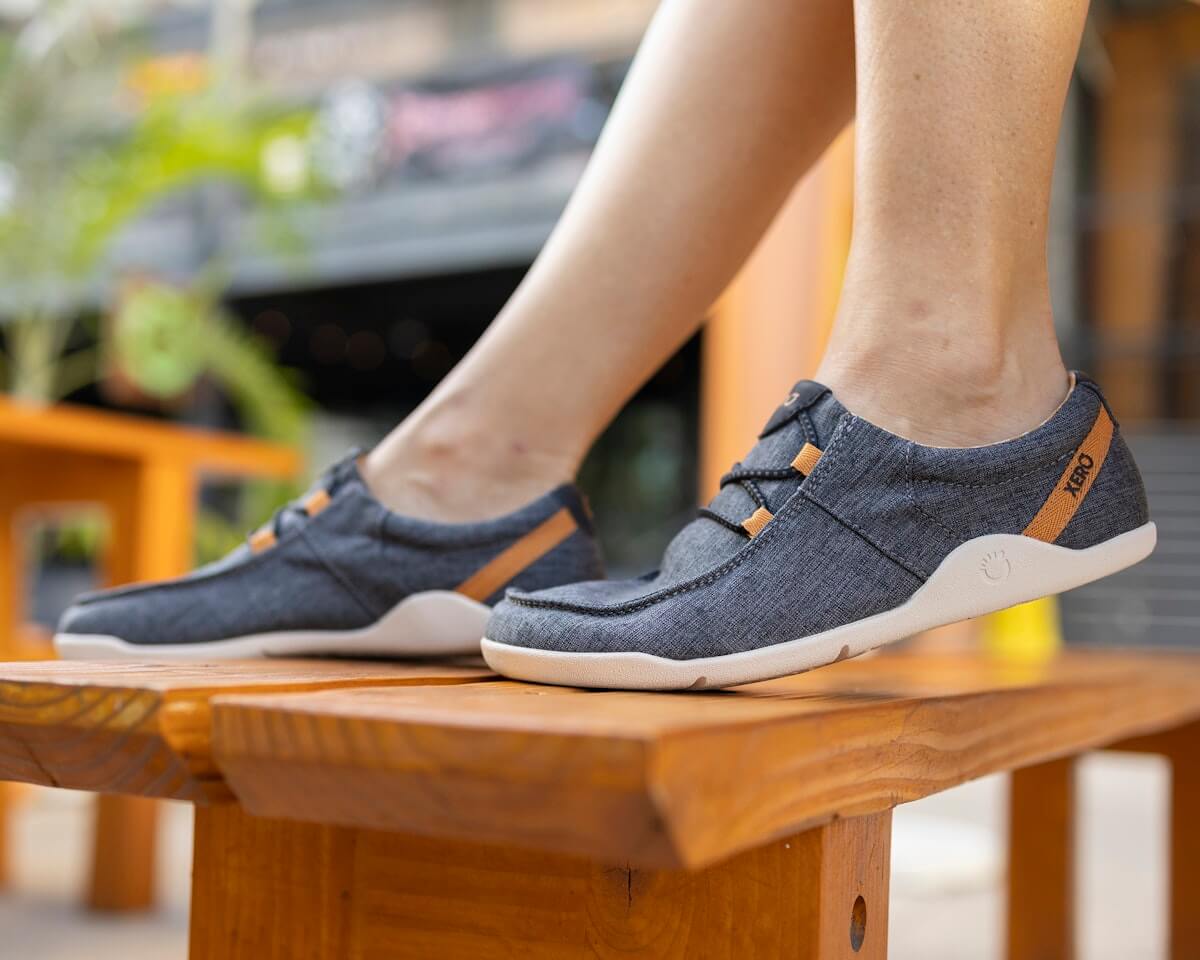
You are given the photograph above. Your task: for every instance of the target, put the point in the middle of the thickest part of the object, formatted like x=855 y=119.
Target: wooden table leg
x=11 y=597
x=152 y=507
x=123 y=854
x=1184 y=936
x=278 y=890
x=5 y=810
x=1181 y=747
x=1041 y=862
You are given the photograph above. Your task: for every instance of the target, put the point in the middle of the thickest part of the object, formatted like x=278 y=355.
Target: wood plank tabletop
x=66 y=428
x=144 y=728
x=679 y=779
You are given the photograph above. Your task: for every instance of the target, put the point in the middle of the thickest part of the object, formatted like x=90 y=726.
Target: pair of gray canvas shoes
x=831 y=538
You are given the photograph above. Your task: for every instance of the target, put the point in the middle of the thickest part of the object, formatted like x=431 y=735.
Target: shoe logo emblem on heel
x=995 y=567
x=1078 y=477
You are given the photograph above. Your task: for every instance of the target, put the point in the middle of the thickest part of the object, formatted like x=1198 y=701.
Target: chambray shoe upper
x=339 y=560
x=830 y=520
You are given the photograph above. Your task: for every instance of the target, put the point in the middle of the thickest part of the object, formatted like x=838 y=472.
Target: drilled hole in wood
x=858 y=924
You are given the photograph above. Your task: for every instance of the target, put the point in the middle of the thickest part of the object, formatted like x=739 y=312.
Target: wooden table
x=144 y=475
x=435 y=811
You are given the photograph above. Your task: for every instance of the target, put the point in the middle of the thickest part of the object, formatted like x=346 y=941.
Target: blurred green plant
x=83 y=153
x=165 y=338
x=88 y=146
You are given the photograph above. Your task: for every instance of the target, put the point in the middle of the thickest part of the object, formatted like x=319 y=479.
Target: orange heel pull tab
x=1076 y=480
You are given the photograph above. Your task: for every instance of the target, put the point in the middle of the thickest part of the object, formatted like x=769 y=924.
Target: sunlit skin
x=944 y=332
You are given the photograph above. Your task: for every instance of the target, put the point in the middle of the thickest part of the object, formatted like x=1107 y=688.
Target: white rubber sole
x=983 y=575
x=429 y=624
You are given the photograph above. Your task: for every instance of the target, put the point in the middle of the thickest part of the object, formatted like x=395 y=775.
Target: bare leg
x=726 y=106
x=944 y=332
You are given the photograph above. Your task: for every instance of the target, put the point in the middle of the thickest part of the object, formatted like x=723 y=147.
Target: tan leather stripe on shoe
x=757 y=520
x=806 y=459
x=1075 y=482
x=509 y=562
x=262 y=539
x=317 y=501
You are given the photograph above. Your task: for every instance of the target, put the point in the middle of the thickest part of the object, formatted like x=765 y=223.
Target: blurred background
x=290 y=218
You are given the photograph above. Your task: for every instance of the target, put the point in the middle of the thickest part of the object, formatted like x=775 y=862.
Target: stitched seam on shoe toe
x=912 y=498
x=632 y=606
x=810 y=432
x=747 y=551
x=770 y=531
x=829 y=458
x=862 y=534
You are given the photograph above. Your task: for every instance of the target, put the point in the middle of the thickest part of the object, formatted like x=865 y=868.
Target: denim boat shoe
x=338 y=573
x=834 y=537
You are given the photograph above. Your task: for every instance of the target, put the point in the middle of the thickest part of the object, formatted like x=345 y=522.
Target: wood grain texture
x=268 y=889
x=143 y=729
x=666 y=780
x=280 y=890
x=1041 y=862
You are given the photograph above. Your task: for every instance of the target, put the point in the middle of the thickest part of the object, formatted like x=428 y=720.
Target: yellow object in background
x=1028 y=633
x=169 y=75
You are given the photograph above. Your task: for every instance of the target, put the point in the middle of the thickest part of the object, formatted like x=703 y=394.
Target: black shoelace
x=299 y=509
x=747 y=477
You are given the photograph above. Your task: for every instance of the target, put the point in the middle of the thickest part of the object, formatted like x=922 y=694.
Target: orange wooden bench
x=435 y=811
x=138 y=472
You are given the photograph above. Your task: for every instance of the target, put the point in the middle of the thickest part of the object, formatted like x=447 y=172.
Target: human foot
x=458 y=473
x=834 y=537
x=339 y=573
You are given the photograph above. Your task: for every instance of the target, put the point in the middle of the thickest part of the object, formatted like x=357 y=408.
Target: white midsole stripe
x=981 y=576
x=432 y=623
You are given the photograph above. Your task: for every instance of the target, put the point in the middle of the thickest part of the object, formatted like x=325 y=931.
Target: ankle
x=453 y=470
x=948 y=397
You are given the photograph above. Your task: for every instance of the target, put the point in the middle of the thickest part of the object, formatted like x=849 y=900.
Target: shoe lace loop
x=308 y=506
x=802 y=464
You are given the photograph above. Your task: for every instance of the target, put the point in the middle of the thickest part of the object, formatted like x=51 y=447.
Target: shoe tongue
x=343 y=472
x=810 y=414
x=803 y=396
